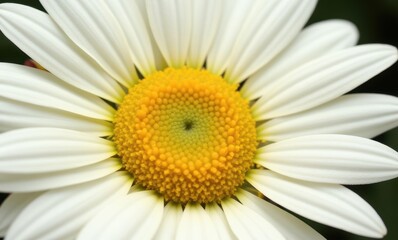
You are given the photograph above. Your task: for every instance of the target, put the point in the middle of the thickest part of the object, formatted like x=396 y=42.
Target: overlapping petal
x=331 y=158
x=12 y=206
x=171 y=25
x=159 y=59
x=34 y=86
x=62 y=57
x=132 y=22
x=219 y=220
x=323 y=79
x=206 y=16
x=231 y=22
x=330 y=204
x=40 y=150
x=95 y=30
x=314 y=41
x=290 y=226
x=16 y=182
x=269 y=27
x=247 y=224
x=364 y=115
x=61 y=213
x=196 y=224
x=16 y=114
x=171 y=218
x=136 y=216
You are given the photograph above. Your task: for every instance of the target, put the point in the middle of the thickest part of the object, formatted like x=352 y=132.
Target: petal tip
x=390 y=50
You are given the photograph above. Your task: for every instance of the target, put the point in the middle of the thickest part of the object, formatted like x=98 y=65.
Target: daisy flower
x=188 y=119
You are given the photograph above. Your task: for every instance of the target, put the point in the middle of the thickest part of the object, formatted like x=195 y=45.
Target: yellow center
x=187 y=134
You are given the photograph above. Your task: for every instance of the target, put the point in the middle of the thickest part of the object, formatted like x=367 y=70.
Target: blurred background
x=377 y=22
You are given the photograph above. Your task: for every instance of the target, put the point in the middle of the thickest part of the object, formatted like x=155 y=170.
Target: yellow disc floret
x=187 y=134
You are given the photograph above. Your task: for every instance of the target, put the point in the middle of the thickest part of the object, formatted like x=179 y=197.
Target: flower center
x=187 y=134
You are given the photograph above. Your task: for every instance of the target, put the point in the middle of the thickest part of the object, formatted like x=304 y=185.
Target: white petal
x=45 y=42
x=269 y=27
x=290 y=226
x=219 y=220
x=331 y=158
x=247 y=224
x=132 y=21
x=136 y=216
x=15 y=114
x=171 y=218
x=171 y=24
x=195 y=224
x=324 y=79
x=364 y=115
x=205 y=20
x=61 y=213
x=314 y=41
x=34 y=86
x=43 y=181
x=233 y=16
x=159 y=59
x=330 y=204
x=36 y=150
x=12 y=207
x=94 y=29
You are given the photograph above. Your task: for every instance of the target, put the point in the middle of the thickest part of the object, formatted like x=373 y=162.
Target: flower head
x=184 y=119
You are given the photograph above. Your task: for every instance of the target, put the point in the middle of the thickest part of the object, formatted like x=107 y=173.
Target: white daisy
x=188 y=119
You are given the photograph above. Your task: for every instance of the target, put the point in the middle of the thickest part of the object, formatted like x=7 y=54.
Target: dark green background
x=377 y=21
